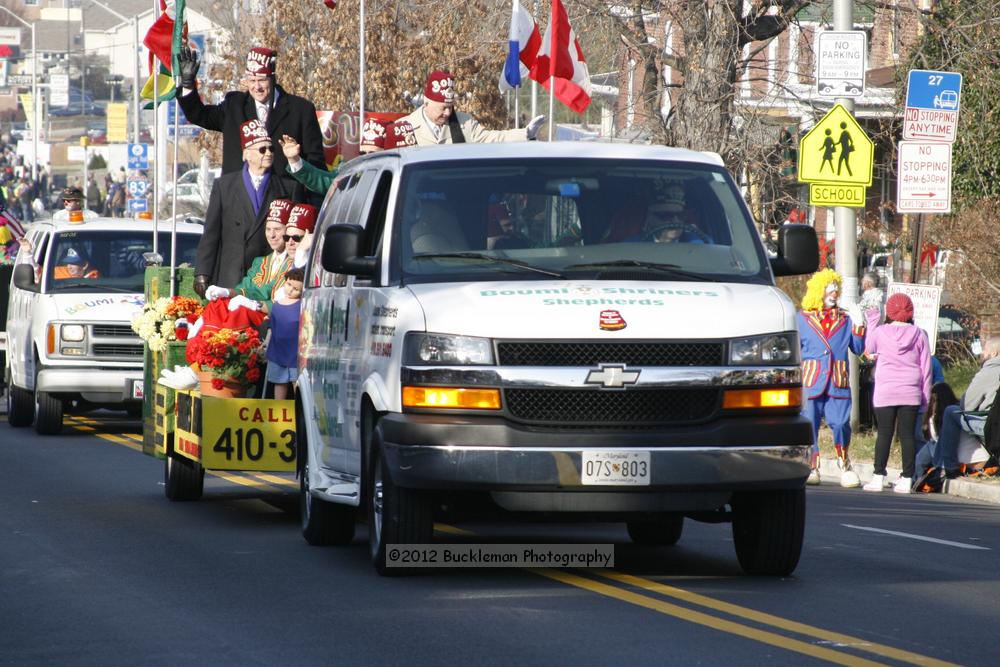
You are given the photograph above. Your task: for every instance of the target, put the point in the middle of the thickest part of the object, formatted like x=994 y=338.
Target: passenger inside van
x=74 y=265
x=436 y=229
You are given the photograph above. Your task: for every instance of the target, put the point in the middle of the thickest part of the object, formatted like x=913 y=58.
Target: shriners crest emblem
x=611 y=320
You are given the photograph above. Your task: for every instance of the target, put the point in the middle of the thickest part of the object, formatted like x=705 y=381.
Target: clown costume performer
x=827 y=332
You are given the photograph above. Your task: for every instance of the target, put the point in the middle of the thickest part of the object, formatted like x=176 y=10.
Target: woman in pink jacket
x=902 y=384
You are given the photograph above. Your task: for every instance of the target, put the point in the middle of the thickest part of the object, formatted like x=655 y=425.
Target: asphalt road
x=97 y=567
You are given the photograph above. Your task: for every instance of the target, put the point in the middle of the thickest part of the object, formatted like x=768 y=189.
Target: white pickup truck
x=550 y=329
x=69 y=338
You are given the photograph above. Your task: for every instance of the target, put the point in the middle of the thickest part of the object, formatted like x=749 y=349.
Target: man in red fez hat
x=264 y=100
x=437 y=121
x=237 y=211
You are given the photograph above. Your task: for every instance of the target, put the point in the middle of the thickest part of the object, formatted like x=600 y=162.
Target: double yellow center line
x=622 y=587
x=758 y=634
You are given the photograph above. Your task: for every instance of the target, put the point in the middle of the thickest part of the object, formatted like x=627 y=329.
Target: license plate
x=137 y=390
x=615 y=468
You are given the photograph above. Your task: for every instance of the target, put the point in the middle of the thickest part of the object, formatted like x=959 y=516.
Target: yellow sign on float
x=247 y=434
x=831 y=194
x=836 y=151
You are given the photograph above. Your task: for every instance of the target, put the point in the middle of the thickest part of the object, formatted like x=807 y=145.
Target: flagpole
x=361 y=74
x=173 y=209
x=156 y=144
x=534 y=84
x=517 y=88
x=553 y=45
x=552 y=97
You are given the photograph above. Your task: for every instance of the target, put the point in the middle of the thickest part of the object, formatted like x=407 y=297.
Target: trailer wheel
x=395 y=515
x=182 y=479
x=664 y=531
x=20 y=407
x=768 y=527
x=48 y=413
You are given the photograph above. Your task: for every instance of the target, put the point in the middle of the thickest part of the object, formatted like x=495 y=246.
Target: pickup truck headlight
x=780 y=348
x=72 y=333
x=428 y=349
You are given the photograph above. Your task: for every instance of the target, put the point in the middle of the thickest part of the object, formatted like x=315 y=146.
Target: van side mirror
x=798 y=251
x=24 y=277
x=341 y=246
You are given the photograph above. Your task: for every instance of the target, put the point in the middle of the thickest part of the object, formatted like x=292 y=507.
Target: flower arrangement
x=231 y=356
x=157 y=323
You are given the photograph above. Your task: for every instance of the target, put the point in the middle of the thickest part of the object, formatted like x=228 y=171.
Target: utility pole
x=846 y=225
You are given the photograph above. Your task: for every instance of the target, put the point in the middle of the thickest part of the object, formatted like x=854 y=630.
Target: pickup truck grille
x=591 y=353
x=113 y=331
x=121 y=350
x=634 y=408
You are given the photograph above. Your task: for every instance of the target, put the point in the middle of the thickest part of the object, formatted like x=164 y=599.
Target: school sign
x=836 y=158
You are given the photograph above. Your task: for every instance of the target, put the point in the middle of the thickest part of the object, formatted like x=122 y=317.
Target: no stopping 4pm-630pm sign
x=924 y=177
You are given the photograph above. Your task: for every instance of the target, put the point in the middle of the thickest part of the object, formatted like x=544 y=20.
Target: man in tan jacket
x=437 y=122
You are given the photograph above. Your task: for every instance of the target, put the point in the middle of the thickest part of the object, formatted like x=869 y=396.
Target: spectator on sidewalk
x=958 y=442
x=902 y=385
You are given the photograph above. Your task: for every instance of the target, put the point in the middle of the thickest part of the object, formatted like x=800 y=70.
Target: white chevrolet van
x=69 y=335
x=550 y=329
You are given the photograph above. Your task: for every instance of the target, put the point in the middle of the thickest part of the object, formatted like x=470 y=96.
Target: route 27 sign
x=932 y=104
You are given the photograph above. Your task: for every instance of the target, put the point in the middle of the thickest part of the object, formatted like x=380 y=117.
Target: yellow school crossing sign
x=838 y=153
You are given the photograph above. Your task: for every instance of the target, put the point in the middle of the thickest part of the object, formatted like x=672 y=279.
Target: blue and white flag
x=523 y=41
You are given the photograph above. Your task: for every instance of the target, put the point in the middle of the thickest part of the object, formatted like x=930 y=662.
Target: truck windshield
x=108 y=261
x=586 y=218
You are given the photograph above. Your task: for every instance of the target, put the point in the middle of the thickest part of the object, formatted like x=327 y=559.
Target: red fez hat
x=400 y=135
x=302 y=216
x=372 y=135
x=252 y=133
x=279 y=211
x=261 y=61
x=440 y=87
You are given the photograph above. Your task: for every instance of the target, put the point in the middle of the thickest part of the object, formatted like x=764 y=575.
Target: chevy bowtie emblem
x=612 y=376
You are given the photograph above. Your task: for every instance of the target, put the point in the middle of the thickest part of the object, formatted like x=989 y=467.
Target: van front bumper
x=485 y=454
x=98 y=385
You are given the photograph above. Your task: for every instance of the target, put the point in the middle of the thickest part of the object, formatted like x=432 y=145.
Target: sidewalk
x=985 y=491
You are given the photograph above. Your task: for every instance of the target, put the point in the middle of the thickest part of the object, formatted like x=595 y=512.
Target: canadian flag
x=561 y=61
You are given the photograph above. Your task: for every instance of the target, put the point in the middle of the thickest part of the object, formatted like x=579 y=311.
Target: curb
x=964 y=488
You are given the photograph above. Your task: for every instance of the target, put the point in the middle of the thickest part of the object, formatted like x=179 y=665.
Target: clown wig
x=816 y=288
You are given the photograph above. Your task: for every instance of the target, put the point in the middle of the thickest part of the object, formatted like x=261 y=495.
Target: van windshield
x=586 y=218
x=106 y=261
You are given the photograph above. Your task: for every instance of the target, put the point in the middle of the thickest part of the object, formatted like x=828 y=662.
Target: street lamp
x=135 y=65
x=34 y=94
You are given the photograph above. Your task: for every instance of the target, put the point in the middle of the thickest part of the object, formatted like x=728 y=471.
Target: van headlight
x=72 y=333
x=780 y=348
x=428 y=349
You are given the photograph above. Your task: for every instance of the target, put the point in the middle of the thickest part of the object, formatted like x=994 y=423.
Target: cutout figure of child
x=283 y=349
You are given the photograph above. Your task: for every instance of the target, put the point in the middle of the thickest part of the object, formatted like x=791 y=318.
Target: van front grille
x=113 y=350
x=592 y=353
x=601 y=408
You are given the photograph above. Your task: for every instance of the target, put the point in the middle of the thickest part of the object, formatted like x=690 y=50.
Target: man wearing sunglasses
x=234 y=232
x=264 y=100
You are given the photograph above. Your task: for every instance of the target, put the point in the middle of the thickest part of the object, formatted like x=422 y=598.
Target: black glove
x=200 y=285
x=187 y=58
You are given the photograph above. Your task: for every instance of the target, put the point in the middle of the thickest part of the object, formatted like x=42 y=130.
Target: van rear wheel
x=663 y=531
x=49 y=413
x=395 y=515
x=20 y=407
x=768 y=527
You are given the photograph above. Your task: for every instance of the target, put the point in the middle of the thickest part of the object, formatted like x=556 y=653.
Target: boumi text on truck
x=551 y=329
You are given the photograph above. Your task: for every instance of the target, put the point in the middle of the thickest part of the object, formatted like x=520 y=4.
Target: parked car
x=188 y=188
x=957 y=335
x=79 y=103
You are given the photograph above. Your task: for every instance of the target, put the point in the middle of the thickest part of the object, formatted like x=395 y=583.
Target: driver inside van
x=74 y=265
x=670 y=220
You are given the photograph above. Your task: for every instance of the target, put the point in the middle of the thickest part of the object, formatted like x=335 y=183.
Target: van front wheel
x=49 y=413
x=20 y=407
x=768 y=527
x=395 y=515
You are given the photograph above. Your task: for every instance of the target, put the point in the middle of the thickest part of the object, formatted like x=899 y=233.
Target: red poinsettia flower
x=217 y=383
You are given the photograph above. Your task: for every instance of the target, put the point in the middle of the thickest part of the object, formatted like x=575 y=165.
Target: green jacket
x=263 y=279
x=313 y=178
